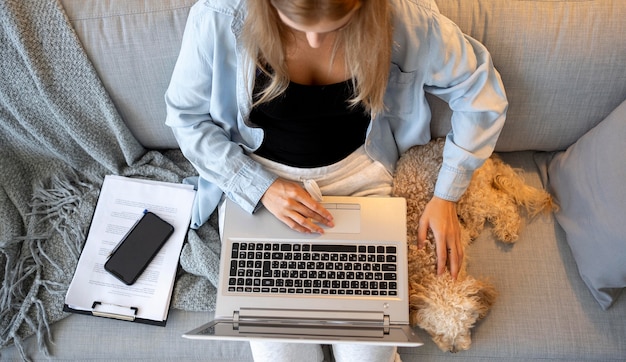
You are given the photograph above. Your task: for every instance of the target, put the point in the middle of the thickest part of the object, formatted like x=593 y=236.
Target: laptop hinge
x=236 y=319
x=386 y=323
x=311 y=317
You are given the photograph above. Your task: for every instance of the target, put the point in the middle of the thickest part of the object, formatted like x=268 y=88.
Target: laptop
x=348 y=285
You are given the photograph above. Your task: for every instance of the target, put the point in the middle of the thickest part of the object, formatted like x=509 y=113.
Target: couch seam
x=130 y=13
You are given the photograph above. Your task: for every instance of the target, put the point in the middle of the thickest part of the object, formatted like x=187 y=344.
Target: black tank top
x=310 y=125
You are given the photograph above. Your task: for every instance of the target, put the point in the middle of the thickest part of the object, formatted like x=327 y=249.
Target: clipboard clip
x=114 y=311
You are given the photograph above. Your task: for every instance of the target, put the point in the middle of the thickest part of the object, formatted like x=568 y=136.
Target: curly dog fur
x=447 y=309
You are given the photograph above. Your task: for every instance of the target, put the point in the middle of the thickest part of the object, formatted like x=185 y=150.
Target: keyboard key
x=334 y=248
x=390 y=276
x=267 y=270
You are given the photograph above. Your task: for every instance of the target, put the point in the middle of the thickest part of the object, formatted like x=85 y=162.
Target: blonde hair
x=369 y=32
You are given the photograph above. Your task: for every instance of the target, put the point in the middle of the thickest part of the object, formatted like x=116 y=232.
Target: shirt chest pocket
x=403 y=91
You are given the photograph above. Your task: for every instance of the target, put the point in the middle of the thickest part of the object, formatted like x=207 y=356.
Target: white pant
x=302 y=352
x=355 y=175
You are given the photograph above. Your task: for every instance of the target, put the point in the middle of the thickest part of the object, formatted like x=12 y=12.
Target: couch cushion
x=563 y=65
x=86 y=338
x=559 y=86
x=133 y=45
x=588 y=182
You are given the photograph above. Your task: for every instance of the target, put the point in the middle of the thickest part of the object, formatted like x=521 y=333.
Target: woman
x=267 y=94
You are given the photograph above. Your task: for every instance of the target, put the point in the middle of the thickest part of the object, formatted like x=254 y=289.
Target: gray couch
x=564 y=67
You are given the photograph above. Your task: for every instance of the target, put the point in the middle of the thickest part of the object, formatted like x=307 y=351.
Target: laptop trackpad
x=346 y=216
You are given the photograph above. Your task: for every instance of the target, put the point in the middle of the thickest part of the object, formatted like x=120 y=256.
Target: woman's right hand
x=294 y=206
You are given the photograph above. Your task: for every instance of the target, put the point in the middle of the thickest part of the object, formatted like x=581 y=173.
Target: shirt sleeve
x=202 y=109
x=463 y=74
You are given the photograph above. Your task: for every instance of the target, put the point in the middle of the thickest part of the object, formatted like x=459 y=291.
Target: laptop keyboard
x=310 y=268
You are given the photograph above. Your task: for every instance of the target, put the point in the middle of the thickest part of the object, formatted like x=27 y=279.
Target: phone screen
x=131 y=257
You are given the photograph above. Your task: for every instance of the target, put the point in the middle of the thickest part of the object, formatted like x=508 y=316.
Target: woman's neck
x=315 y=66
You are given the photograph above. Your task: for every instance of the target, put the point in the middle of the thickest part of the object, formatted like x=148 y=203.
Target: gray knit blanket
x=60 y=134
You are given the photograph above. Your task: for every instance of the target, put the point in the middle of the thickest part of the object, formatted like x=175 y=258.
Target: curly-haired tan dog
x=447 y=309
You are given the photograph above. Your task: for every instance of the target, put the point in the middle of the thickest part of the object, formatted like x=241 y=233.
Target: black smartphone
x=138 y=247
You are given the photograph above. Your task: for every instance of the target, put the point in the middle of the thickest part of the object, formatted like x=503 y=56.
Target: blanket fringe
x=53 y=209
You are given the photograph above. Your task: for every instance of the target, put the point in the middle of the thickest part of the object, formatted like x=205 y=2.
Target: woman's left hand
x=440 y=216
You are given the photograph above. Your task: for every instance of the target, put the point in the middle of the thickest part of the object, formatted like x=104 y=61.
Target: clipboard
x=95 y=292
x=113 y=311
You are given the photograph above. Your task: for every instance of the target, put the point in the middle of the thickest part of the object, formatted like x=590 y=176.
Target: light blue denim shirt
x=209 y=101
